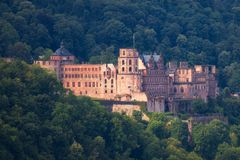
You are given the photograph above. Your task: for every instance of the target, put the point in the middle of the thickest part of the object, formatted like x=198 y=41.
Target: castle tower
x=128 y=78
x=128 y=61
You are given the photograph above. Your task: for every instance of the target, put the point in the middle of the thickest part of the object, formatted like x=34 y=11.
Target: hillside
x=39 y=121
x=201 y=32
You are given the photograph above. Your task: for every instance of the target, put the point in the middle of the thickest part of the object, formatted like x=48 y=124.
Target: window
x=123 y=69
x=182 y=90
x=85 y=84
x=80 y=92
x=93 y=84
x=111 y=91
x=85 y=92
x=73 y=84
x=130 y=69
x=79 y=84
x=105 y=91
x=105 y=81
x=111 y=81
x=89 y=84
x=67 y=84
x=175 y=90
x=123 y=62
x=123 y=52
x=130 y=62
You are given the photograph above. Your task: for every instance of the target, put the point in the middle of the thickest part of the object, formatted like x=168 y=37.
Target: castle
x=135 y=78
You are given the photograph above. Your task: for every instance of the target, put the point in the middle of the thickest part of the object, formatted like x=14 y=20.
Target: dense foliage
x=39 y=121
x=201 y=31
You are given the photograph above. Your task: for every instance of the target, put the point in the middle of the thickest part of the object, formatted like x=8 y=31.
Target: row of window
x=129 y=69
x=82 y=76
x=108 y=73
x=105 y=81
x=183 y=71
x=155 y=80
x=129 y=62
x=83 y=69
x=86 y=92
x=79 y=84
x=198 y=88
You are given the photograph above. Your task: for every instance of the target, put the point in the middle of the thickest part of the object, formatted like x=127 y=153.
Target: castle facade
x=135 y=78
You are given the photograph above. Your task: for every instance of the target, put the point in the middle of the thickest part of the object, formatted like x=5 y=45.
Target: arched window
x=123 y=62
x=182 y=90
x=130 y=62
x=130 y=69
x=123 y=69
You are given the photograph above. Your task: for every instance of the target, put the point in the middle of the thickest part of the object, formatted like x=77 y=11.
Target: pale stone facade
x=136 y=78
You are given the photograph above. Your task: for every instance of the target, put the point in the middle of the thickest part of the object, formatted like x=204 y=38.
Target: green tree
x=226 y=151
x=208 y=137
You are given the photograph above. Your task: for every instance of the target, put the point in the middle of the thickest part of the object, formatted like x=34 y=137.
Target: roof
x=146 y=58
x=156 y=58
x=62 y=51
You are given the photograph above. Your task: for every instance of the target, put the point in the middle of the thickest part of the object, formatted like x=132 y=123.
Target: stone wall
x=128 y=109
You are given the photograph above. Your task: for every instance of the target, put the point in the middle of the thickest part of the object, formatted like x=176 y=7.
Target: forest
x=200 y=31
x=38 y=120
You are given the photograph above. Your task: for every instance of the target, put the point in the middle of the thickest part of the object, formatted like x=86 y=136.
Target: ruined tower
x=128 y=78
